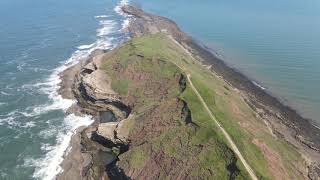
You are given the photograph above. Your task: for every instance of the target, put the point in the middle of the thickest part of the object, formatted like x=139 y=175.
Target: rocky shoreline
x=106 y=138
x=102 y=141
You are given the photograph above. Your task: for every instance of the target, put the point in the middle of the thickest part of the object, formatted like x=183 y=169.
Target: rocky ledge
x=95 y=146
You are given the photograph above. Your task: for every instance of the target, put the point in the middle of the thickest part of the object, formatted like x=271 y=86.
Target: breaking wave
x=258 y=85
x=48 y=166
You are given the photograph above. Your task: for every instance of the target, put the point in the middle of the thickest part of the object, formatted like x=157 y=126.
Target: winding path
x=233 y=145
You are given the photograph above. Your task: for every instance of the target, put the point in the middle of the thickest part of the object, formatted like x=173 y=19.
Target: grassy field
x=268 y=156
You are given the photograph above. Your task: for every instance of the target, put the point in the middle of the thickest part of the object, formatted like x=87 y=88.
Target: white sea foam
x=49 y=166
x=10 y=120
x=101 y=16
x=125 y=24
x=102 y=44
x=258 y=85
x=48 y=133
x=29 y=124
x=108 y=26
x=86 y=46
x=3 y=104
x=119 y=6
x=4 y=93
x=35 y=111
x=3 y=174
x=46 y=147
x=20 y=66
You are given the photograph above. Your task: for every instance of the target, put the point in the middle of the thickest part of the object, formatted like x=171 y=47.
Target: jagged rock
x=108 y=130
x=98 y=85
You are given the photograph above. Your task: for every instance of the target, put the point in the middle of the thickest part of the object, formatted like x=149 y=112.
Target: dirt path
x=233 y=145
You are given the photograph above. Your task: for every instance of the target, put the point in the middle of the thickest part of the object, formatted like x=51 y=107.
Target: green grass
x=125 y=66
x=219 y=154
x=240 y=137
x=219 y=105
x=120 y=85
x=137 y=158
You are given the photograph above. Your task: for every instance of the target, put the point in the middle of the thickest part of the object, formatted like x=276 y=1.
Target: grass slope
x=156 y=57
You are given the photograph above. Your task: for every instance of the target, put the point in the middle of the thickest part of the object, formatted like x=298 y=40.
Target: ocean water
x=275 y=43
x=38 y=40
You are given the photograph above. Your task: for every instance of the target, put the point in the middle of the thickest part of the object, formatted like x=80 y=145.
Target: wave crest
x=48 y=166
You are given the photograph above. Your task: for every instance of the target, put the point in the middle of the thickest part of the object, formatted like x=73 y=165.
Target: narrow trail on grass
x=228 y=137
x=233 y=145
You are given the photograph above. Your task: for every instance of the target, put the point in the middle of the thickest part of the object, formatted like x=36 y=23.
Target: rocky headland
x=149 y=123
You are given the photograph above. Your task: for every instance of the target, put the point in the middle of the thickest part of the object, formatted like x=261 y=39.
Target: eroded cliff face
x=94 y=147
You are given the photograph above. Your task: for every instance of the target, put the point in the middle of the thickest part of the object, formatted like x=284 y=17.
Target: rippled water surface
x=274 y=42
x=38 y=40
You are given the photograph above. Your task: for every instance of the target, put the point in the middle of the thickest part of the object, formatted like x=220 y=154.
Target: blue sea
x=38 y=40
x=275 y=43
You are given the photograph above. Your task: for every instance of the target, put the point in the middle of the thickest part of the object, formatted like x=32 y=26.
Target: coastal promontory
x=166 y=108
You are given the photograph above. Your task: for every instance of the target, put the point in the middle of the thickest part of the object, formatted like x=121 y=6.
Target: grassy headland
x=142 y=71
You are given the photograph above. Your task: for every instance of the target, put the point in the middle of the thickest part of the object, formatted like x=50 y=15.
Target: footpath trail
x=228 y=137
x=233 y=145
